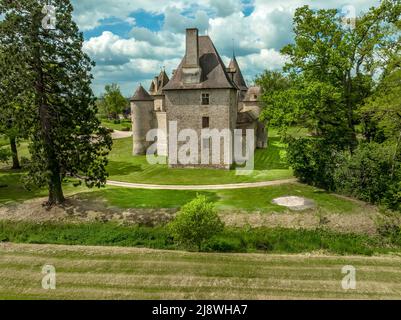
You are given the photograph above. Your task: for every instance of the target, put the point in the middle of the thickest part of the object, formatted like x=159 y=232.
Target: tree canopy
x=53 y=76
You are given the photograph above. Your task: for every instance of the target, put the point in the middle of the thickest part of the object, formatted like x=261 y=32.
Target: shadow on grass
x=118 y=168
x=273 y=157
x=13 y=190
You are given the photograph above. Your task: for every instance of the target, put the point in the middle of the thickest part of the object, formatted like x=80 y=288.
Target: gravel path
x=200 y=187
x=121 y=134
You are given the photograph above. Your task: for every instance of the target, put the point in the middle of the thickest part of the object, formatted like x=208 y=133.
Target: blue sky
x=131 y=40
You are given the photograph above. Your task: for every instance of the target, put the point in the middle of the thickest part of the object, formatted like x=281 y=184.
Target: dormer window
x=205 y=99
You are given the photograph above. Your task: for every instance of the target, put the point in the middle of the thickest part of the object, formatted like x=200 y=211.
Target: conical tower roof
x=238 y=78
x=162 y=81
x=141 y=95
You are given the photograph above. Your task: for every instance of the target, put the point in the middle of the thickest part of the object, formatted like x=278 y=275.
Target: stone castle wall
x=185 y=107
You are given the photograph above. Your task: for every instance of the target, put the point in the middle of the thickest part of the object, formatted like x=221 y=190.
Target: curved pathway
x=116 y=134
x=200 y=187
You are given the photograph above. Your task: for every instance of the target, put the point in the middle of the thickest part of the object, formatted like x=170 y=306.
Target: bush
x=5 y=154
x=371 y=173
x=368 y=175
x=389 y=227
x=313 y=161
x=219 y=244
x=126 y=129
x=196 y=223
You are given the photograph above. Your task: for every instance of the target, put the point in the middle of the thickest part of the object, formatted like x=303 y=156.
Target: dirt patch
x=78 y=210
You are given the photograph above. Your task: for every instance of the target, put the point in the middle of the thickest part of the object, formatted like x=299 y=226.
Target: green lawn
x=125 y=123
x=269 y=165
x=254 y=199
x=129 y=273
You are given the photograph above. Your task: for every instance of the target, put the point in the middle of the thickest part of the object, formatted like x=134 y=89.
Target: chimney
x=191 y=69
x=192 y=49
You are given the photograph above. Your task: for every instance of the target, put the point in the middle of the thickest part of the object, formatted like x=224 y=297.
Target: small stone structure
x=202 y=93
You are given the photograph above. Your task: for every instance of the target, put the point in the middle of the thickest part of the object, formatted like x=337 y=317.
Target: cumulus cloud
x=226 y=8
x=139 y=55
x=174 y=21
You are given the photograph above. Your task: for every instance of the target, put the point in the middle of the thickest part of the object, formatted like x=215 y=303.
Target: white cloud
x=227 y=7
x=175 y=22
x=257 y=37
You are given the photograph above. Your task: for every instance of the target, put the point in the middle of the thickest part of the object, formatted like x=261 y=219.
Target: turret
x=143 y=118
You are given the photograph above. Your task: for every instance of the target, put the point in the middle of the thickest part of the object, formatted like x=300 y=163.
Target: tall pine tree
x=66 y=138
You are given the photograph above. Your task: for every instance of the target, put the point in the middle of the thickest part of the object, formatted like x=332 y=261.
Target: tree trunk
x=14 y=151
x=45 y=117
x=395 y=155
x=350 y=111
x=56 y=195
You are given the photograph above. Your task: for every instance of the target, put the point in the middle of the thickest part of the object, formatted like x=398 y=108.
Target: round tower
x=142 y=113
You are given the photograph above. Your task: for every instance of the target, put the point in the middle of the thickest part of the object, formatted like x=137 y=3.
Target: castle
x=202 y=93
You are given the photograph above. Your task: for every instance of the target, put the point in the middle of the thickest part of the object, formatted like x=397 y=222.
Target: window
x=205 y=122
x=205 y=99
x=255 y=96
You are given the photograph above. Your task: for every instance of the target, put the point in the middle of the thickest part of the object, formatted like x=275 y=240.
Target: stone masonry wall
x=184 y=106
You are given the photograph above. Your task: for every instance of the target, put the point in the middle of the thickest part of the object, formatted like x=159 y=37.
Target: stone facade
x=202 y=93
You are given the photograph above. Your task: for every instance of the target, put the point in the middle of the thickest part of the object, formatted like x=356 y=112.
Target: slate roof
x=158 y=83
x=141 y=95
x=214 y=75
x=252 y=92
x=238 y=77
x=246 y=117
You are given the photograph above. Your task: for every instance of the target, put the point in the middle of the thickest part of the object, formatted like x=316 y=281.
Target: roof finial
x=233 y=47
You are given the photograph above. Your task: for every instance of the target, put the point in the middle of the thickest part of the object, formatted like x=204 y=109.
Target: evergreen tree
x=66 y=138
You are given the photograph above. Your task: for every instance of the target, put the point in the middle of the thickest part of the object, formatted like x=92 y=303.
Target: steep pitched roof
x=214 y=75
x=158 y=83
x=253 y=94
x=141 y=95
x=162 y=81
x=246 y=117
x=237 y=76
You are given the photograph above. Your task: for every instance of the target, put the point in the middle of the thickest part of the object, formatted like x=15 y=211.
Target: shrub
x=5 y=154
x=313 y=161
x=220 y=244
x=367 y=175
x=196 y=222
x=389 y=227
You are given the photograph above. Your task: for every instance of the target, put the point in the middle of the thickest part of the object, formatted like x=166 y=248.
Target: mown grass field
x=127 y=273
x=253 y=199
x=270 y=164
